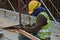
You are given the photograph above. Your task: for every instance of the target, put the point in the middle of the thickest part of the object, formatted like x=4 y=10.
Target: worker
x=42 y=25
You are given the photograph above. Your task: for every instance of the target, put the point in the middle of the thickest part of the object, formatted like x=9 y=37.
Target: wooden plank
x=24 y=33
x=28 y=35
x=20 y=31
x=5 y=22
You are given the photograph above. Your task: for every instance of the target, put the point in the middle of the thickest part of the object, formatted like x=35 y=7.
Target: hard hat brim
x=30 y=12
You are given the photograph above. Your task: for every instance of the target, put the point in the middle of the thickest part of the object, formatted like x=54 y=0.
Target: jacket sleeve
x=41 y=21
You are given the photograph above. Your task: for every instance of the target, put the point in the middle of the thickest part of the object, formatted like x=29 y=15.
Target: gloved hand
x=33 y=24
x=18 y=26
x=28 y=25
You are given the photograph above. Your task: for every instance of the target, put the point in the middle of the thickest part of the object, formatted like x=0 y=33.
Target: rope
x=50 y=13
x=54 y=7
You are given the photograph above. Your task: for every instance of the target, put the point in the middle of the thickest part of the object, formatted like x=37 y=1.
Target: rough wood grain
x=18 y=31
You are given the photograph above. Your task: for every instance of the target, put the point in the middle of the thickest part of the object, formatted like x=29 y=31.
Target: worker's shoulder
x=41 y=16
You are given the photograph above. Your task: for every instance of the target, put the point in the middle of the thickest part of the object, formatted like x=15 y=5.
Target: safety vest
x=45 y=30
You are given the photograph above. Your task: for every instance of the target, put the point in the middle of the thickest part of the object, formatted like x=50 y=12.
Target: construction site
x=15 y=13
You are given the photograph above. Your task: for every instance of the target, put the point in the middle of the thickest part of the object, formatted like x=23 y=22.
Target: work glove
x=33 y=24
x=27 y=25
x=19 y=27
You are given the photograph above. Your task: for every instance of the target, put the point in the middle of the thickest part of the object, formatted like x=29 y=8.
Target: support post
x=19 y=12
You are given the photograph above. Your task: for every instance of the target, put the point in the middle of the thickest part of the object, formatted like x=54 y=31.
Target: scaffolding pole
x=19 y=12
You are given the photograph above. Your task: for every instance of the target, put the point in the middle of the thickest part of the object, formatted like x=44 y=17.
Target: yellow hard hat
x=32 y=5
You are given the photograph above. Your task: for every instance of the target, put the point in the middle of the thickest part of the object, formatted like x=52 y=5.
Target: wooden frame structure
x=14 y=2
x=18 y=31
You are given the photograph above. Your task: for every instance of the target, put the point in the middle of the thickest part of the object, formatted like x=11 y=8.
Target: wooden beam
x=28 y=35
x=25 y=33
x=5 y=22
x=19 y=31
